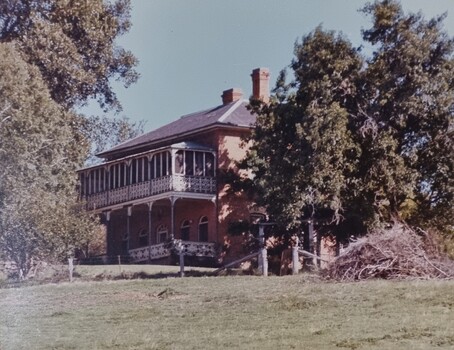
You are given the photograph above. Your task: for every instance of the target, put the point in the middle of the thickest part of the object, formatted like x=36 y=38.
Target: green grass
x=238 y=312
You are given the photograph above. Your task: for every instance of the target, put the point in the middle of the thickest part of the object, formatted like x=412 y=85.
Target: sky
x=192 y=50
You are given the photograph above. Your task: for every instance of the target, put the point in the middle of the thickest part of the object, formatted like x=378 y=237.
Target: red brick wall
x=231 y=207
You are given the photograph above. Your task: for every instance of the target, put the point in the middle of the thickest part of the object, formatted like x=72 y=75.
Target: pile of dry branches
x=394 y=253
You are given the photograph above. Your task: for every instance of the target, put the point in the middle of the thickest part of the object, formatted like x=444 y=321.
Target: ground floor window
x=161 y=234
x=203 y=229
x=143 y=237
x=185 y=229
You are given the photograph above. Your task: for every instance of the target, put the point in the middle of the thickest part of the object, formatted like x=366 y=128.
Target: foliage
x=72 y=42
x=54 y=57
x=39 y=215
x=357 y=141
x=104 y=132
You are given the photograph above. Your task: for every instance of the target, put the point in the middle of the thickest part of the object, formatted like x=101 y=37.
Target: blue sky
x=192 y=50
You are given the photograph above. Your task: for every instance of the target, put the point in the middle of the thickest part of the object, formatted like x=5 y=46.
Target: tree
x=73 y=45
x=358 y=141
x=54 y=56
x=39 y=214
x=304 y=149
x=104 y=132
x=408 y=100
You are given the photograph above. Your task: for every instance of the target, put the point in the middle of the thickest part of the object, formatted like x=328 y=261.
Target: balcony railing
x=162 y=250
x=177 y=183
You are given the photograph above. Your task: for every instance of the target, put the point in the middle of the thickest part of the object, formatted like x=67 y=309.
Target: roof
x=191 y=146
x=231 y=114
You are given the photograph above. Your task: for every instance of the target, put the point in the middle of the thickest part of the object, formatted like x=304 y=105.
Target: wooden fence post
x=295 y=258
x=71 y=269
x=264 y=258
x=181 y=253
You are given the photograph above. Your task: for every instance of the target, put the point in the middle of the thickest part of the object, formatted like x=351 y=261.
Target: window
x=189 y=162
x=185 y=229
x=179 y=162
x=203 y=229
x=143 y=237
x=198 y=171
x=209 y=164
x=161 y=234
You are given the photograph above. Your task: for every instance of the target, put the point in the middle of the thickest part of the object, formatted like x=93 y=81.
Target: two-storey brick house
x=166 y=183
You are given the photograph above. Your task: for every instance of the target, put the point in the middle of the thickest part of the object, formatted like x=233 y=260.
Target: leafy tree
x=73 y=44
x=39 y=214
x=105 y=132
x=356 y=141
x=408 y=100
x=54 y=56
x=304 y=148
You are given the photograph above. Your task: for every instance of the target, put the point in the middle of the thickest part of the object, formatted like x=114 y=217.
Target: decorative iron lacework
x=118 y=195
x=199 y=249
x=97 y=200
x=139 y=190
x=157 y=251
x=163 y=250
x=161 y=184
x=177 y=183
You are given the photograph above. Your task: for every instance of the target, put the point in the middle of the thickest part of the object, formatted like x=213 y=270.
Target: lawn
x=235 y=312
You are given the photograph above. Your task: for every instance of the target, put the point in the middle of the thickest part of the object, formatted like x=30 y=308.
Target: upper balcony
x=183 y=167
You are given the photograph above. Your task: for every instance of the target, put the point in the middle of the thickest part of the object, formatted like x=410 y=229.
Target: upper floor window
x=194 y=163
x=179 y=162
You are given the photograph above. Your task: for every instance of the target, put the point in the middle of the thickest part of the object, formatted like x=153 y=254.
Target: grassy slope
x=228 y=313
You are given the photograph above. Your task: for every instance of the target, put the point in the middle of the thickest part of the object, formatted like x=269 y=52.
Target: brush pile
x=395 y=253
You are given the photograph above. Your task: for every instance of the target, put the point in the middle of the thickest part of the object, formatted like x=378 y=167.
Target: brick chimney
x=231 y=95
x=261 y=84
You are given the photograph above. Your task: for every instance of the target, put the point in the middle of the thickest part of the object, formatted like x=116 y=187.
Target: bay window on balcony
x=194 y=163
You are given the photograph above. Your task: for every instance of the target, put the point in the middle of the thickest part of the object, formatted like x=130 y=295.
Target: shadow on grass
x=61 y=276
x=144 y=275
x=160 y=275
